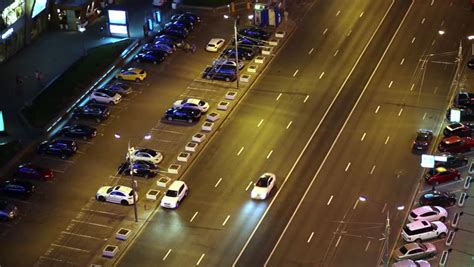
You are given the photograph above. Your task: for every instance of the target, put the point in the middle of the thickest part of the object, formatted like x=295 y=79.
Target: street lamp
x=385 y=251
x=236 y=48
x=134 y=181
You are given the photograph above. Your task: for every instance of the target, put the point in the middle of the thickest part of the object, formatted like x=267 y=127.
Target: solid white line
x=269 y=154
x=218 y=182
x=349 y=33
x=338 y=12
x=377 y=109
x=412 y=86
x=335 y=53
x=321 y=75
x=403 y=60
x=260 y=123
x=289 y=124
x=310 y=51
x=70 y=248
x=386 y=140
x=390 y=85
x=361 y=14
x=372 y=170
x=248 y=186
x=240 y=151
x=85 y=236
x=423 y=20
x=278 y=97
x=60 y=171
x=400 y=112
x=325 y=31
x=363 y=136
x=310 y=237
x=306 y=99
x=338 y=240
x=424 y=116
x=296 y=72
x=348 y=165
x=226 y=219
x=367 y=247
x=413 y=40
x=199 y=261
x=194 y=216
x=330 y=199
x=95 y=224
x=166 y=255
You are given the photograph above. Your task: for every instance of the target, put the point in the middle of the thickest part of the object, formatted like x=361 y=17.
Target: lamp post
x=236 y=48
x=134 y=181
x=385 y=254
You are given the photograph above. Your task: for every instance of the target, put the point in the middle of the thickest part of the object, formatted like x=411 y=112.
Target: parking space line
x=201 y=89
x=194 y=216
x=367 y=247
x=80 y=152
x=248 y=186
x=424 y=116
x=60 y=160
x=338 y=240
x=240 y=151
x=90 y=223
x=166 y=255
x=226 y=219
x=167 y=131
x=200 y=259
x=102 y=212
x=310 y=237
x=218 y=182
x=289 y=124
x=57 y=260
x=70 y=248
x=85 y=236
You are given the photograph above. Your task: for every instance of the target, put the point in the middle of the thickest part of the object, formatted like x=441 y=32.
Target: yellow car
x=131 y=74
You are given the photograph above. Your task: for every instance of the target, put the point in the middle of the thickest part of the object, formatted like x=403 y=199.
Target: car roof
x=418 y=225
x=214 y=41
x=422 y=209
x=176 y=185
x=452 y=139
x=455 y=126
x=123 y=189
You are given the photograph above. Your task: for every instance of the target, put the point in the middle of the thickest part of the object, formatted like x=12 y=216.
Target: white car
x=423 y=230
x=411 y=263
x=144 y=154
x=174 y=195
x=105 y=96
x=116 y=194
x=193 y=103
x=215 y=44
x=428 y=213
x=264 y=186
x=228 y=62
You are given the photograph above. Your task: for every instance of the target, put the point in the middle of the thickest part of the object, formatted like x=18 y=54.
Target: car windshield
x=171 y=193
x=111 y=94
x=422 y=138
x=262 y=182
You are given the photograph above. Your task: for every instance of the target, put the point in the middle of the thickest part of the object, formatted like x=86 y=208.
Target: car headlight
x=11 y=214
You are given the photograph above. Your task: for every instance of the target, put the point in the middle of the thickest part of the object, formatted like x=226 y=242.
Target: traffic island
x=110 y=251
x=174 y=168
x=163 y=181
x=223 y=105
x=152 y=194
x=252 y=68
x=184 y=156
x=230 y=95
x=191 y=147
x=259 y=59
x=123 y=234
x=207 y=126
x=198 y=138
x=245 y=78
x=213 y=116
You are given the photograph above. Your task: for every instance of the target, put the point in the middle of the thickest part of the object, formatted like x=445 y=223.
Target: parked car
x=437 y=198
x=249 y=42
x=165 y=38
x=92 y=111
x=439 y=175
x=116 y=194
x=228 y=62
x=16 y=187
x=165 y=45
x=422 y=141
x=220 y=73
x=105 y=97
x=144 y=154
x=415 y=251
x=456 y=144
x=120 y=88
x=175 y=31
x=263 y=186
x=424 y=230
x=411 y=263
x=193 y=103
x=78 y=131
x=467 y=114
x=215 y=44
x=255 y=32
x=33 y=171
x=244 y=53
x=8 y=210
x=452 y=160
x=159 y=47
x=185 y=114
x=140 y=168
x=60 y=147
x=458 y=129
x=181 y=23
x=131 y=74
x=187 y=16
x=428 y=213
x=177 y=191
x=464 y=99
x=154 y=57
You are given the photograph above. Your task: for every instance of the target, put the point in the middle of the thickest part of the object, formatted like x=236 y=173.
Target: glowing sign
x=427 y=161
x=38 y=7
x=118 y=29
x=455 y=115
x=117 y=17
x=2 y=123
x=13 y=12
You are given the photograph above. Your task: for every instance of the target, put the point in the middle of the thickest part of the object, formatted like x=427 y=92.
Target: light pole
x=385 y=254
x=134 y=181
x=236 y=48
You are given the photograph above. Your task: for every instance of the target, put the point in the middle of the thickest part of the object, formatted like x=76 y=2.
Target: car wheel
x=227 y=79
x=457 y=177
x=190 y=120
x=169 y=118
x=124 y=202
x=137 y=80
x=442 y=235
x=63 y=156
x=101 y=198
x=442 y=219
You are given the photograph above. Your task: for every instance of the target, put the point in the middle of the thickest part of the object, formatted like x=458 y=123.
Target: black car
x=248 y=42
x=167 y=49
x=78 y=131
x=8 y=210
x=140 y=168
x=194 y=19
x=92 y=111
x=458 y=129
x=120 y=88
x=33 y=171
x=169 y=39
x=452 y=161
x=181 y=23
x=244 y=53
x=185 y=114
x=223 y=73
x=60 y=147
x=176 y=32
x=464 y=99
x=17 y=187
x=437 y=198
x=255 y=32
x=422 y=141
x=151 y=56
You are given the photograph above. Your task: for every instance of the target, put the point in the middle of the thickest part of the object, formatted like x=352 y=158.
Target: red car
x=456 y=144
x=32 y=171
x=441 y=175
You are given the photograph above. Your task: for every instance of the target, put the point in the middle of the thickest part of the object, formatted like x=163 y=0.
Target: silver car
x=415 y=251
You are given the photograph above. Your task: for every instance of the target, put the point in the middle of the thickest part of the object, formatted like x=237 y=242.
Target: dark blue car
x=165 y=38
x=59 y=147
x=17 y=187
x=154 y=57
x=244 y=53
x=255 y=32
x=184 y=114
x=140 y=168
x=78 y=131
x=92 y=111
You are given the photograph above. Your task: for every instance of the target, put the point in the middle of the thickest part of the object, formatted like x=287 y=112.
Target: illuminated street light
x=116 y=135
x=147 y=137
x=250 y=17
x=441 y=32
x=236 y=48
x=470 y=37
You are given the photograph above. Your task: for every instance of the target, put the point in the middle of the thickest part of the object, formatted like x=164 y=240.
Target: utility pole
x=134 y=182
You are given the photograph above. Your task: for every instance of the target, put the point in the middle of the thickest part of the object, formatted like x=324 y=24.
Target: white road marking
x=226 y=219
x=310 y=51
x=200 y=259
x=322 y=74
x=335 y=53
x=289 y=124
x=194 y=216
x=310 y=237
x=390 y=85
x=377 y=109
x=363 y=136
x=338 y=12
x=412 y=86
x=372 y=170
x=330 y=199
x=90 y=223
x=248 y=186
x=386 y=140
x=269 y=154
x=70 y=248
x=240 y=151
x=218 y=182
x=435 y=90
x=367 y=247
x=103 y=212
x=361 y=14
x=296 y=72
x=403 y=60
x=400 y=112
x=166 y=255
x=424 y=116
x=349 y=33
x=413 y=40
x=57 y=260
x=306 y=99
x=167 y=131
x=278 y=97
x=348 y=165
x=442 y=22
x=433 y=42
x=423 y=20
x=325 y=31
x=260 y=123
x=338 y=240
x=85 y=236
